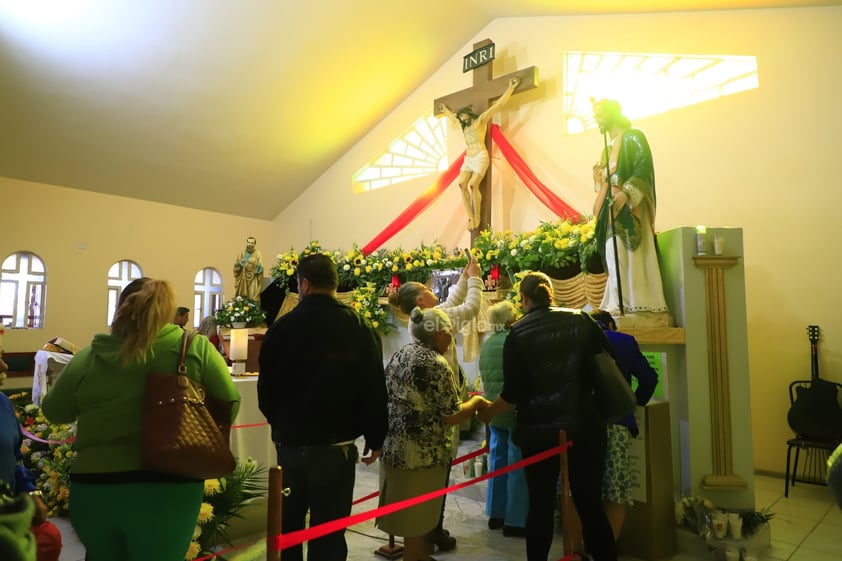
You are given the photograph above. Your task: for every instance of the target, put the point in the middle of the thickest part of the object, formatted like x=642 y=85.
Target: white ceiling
x=214 y=104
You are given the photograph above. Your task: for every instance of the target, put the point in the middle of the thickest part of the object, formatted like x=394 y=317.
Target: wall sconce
x=239 y=351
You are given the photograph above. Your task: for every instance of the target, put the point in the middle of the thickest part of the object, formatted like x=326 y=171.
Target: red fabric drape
x=417 y=206
x=521 y=168
x=541 y=191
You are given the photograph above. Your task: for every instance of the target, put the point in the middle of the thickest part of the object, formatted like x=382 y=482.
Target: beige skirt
x=399 y=484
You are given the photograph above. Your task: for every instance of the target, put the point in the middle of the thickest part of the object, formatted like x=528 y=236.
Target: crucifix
x=486 y=96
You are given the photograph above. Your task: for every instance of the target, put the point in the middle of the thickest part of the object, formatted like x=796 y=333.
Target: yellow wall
x=168 y=242
x=763 y=160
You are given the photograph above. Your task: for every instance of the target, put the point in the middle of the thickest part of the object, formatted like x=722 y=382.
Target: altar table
x=251 y=436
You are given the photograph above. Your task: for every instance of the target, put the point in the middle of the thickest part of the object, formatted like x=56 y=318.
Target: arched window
x=23 y=291
x=207 y=294
x=120 y=274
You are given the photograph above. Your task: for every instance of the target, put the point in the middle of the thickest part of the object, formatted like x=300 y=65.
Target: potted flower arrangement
x=240 y=310
x=696 y=513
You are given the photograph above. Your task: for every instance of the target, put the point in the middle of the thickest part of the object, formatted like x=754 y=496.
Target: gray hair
x=424 y=324
x=501 y=315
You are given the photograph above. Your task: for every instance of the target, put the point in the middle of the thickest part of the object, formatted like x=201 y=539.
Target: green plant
x=240 y=309
x=224 y=498
x=753 y=520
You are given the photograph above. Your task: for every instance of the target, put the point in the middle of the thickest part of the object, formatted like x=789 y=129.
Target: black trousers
x=585 y=464
x=321 y=481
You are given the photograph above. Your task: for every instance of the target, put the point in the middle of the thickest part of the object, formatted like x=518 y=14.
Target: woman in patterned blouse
x=423 y=403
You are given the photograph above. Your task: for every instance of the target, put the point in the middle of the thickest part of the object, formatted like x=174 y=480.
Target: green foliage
x=224 y=498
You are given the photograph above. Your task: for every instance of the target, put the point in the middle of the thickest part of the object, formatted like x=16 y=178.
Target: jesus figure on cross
x=476 y=162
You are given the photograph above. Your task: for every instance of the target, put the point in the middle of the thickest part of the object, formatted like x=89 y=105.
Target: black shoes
x=514 y=532
x=441 y=539
x=495 y=523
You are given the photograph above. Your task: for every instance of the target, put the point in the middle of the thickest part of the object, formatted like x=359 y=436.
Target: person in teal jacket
x=507 y=498
x=119 y=510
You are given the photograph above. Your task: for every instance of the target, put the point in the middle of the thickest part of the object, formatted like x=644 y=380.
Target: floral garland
x=552 y=246
x=379 y=268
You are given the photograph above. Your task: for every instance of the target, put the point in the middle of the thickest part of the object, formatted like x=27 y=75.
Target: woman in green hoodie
x=119 y=510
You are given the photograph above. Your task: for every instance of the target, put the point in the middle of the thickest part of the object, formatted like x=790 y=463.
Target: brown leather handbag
x=185 y=430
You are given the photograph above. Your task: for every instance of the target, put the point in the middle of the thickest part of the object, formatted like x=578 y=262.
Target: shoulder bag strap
x=186 y=339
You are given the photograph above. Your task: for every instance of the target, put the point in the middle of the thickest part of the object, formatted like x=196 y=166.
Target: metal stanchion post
x=571 y=526
x=390 y=551
x=274 y=513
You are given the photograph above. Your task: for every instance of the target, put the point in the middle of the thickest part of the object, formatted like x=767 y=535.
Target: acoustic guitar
x=815 y=414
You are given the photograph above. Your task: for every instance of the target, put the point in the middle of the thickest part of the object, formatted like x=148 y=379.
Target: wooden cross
x=485 y=90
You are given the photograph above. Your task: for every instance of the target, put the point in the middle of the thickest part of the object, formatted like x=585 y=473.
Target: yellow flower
x=205 y=513
x=357 y=271
x=212 y=487
x=192 y=551
x=375 y=324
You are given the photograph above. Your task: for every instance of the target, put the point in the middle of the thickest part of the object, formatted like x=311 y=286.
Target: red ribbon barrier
x=284 y=541
x=366 y=498
x=31 y=436
x=455 y=462
x=252 y=425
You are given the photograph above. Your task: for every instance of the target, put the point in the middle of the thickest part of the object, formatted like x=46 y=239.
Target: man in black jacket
x=547 y=358
x=321 y=386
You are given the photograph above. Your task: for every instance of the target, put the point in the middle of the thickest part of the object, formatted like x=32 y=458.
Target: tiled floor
x=807 y=526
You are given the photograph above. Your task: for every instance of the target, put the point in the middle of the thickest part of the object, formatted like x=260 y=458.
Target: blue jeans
x=507 y=495
x=321 y=480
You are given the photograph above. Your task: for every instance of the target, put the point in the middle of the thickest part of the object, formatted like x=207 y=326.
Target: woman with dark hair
x=617 y=483
x=547 y=358
x=423 y=404
x=119 y=510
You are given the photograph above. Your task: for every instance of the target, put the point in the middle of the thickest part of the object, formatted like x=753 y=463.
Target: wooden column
x=720 y=393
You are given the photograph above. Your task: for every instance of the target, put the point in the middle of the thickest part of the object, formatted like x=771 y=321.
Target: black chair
x=819 y=446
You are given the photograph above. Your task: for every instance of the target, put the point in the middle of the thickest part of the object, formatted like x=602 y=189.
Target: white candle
x=701 y=240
